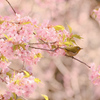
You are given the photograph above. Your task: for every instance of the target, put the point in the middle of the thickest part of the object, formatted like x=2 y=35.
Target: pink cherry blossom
x=7 y=95
x=97 y=13
x=4 y=66
x=21 y=85
x=95 y=75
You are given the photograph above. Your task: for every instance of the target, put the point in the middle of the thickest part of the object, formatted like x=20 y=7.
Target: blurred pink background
x=63 y=78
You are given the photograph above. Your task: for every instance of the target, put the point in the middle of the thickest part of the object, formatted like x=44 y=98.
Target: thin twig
x=35 y=43
x=44 y=49
x=47 y=42
x=65 y=55
x=3 y=80
x=3 y=38
x=13 y=69
x=42 y=43
x=79 y=61
x=11 y=6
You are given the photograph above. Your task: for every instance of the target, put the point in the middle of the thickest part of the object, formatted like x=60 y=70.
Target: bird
x=72 y=50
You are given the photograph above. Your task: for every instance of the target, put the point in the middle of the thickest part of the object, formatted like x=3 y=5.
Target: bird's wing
x=71 y=49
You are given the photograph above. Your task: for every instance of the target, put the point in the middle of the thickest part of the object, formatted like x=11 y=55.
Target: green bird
x=72 y=51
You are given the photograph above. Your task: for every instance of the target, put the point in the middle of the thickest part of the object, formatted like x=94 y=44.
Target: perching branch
x=11 y=6
x=79 y=61
x=65 y=55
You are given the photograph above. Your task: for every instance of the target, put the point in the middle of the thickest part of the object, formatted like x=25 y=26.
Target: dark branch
x=44 y=49
x=79 y=61
x=35 y=43
x=42 y=43
x=13 y=69
x=11 y=6
x=65 y=55
x=3 y=80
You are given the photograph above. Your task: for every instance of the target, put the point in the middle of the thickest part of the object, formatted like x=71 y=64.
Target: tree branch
x=79 y=61
x=3 y=80
x=42 y=43
x=44 y=49
x=11 y=6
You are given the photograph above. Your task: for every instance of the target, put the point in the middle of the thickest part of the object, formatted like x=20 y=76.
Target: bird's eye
x=78 y=48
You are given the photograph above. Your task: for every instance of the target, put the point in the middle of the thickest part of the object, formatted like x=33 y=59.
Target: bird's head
x=77 y=48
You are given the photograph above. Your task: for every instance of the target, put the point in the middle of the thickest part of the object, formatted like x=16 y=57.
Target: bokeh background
x=62 y=77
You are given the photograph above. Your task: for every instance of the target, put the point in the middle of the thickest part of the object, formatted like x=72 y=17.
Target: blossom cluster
x=95 y=71
x=95 y=74
x=97 y=14
x=21 y=85
x=24 y=39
